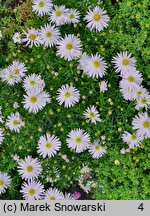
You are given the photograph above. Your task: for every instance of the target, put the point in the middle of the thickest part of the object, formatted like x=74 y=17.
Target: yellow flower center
x=96 y=64
x=78 y=140
x=15 y=122
x=138 y=93
x=1 y=183
x=144 y=101
x=72 y=16
x=69 y=46
x=146 y=124
x=96 y=17
x=133 y=137
x=31 y=192
x=52 y=198
x=48 y=145
x=32 y=36
x=29 y=168
x=32 y=82
x=41 y=4
x=10 y=76
x=125 y=62
x=67 y=94
x=97 y=147
x=58 y=13
x=92 y=114
x=48 y=34
x=131 y=79
x=17 y=71
x=33 y=99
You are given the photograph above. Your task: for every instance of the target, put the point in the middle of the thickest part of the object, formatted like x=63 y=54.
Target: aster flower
x=73 y=16
x=5 y=181
x=127 y=93
x=68 y=196
x=33 y=81
x=14 y=122
x=123 y=62
x=141 y=123
x=1 y=135
x=68 y=95
x=95 y=66
x=58 y=15
x=29 y=168
x=97 y=18
x=17 y=38
x=32 y=190
x=1 y=117
x=82 y=61
x=103 y=86
x=76 y=195
x=48 y=145
x=96 y=150
x=53 y=194
x=19 y=70
x=69 y=47
x=132 y=139
x=78 y=140
x=41 y=7
x=49 y=35
x=8 y=76
x=31 y=37
x=140 y=92
x=36 y=100
x=143 y=102
x=92 y=114
x=132 y=80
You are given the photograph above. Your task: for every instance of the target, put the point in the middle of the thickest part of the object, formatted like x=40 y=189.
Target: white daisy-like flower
x=68 y=95
x=29 y=168
x=32 y=190
x=78 y=140
x=123 y=62
x=92 y=114
x=1 y=135
x=53 y=194
x=96 y=150
x=14 y=122
x=31 y=37
x=36 y=100
x=73 y=16
x=132 y=80
x=143 y=102
x=82 y=61
x=97 y=18
x=68 y=196
x=69 y=47
x=95 y=66
x=127 y=93
x=141 y=123
x=19 y=70
x=48 y=145
x=140 y=92
x=59 y=15
x=1 y=116
x=17 y=38
x=103 y=86
x=132 y=139
x=33 y=81
x=8 y=76
x=5 y=181
x=41 y=7
x=49 y=35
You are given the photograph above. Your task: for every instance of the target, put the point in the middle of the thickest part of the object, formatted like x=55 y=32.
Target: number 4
x=141 y=207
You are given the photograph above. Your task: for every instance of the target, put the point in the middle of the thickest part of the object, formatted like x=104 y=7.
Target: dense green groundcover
x=128 y=29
